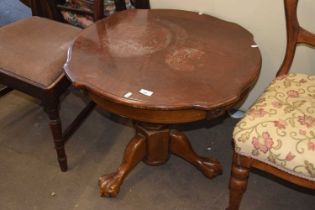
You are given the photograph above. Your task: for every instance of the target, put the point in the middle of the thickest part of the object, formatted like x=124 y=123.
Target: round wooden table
x=163 y=67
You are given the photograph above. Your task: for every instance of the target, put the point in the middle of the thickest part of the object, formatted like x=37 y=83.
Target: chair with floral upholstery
x=277 y=134
x=83 y=13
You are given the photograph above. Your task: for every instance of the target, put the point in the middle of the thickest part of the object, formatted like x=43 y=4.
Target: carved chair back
x=296 y=34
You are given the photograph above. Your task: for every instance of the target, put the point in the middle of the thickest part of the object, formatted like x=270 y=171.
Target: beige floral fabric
x=279 y=129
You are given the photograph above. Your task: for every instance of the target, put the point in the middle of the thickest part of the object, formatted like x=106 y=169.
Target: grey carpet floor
x=30 y=178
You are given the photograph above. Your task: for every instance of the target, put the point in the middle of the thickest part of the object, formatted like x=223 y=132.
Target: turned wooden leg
x=238 y=180
x=134 y=153
x=56 y=129
x=181 y=147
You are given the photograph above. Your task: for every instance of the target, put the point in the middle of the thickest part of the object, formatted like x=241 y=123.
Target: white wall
x=265 y=19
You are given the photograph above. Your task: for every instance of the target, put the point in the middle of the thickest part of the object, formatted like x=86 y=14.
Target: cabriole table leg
x=181 y=147
x=134 y=153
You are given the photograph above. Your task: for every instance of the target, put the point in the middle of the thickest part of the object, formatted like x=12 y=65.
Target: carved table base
x=153 y=145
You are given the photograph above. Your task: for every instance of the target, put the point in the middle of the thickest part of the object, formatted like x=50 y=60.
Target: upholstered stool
x=32 y=54
x=35 y=49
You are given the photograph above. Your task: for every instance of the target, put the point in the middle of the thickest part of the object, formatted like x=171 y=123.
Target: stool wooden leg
x=56 y=129
x=238 y=180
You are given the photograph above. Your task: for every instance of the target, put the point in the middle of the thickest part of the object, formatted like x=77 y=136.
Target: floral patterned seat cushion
x=84 y=21
x=279 y=129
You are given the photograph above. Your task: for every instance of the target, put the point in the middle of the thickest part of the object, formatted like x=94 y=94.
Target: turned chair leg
x=56 y=129
x=238 y=180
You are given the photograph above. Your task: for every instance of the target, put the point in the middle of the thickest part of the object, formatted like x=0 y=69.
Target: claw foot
x=109 y=185
x=210 y=167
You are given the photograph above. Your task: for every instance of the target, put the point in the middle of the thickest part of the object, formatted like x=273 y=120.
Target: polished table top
x=185 y=59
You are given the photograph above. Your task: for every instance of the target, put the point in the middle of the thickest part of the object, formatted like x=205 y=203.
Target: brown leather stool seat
x=32 y=54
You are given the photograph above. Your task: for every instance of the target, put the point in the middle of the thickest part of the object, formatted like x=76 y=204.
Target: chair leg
x=5 y=90
x=238 y=180
x=56 y=129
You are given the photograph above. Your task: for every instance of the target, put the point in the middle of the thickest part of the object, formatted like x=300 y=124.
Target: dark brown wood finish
x=5 y=90
x=186 y=59
x=141 y=4
x=97 y=7
x=242 y=164
x=50 y=8
x=26 y=2
x=45 y=8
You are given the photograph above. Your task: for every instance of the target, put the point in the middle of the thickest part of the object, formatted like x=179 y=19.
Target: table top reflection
x=159 y=68
x=183 y=59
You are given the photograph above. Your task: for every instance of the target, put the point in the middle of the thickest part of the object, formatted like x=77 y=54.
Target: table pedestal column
x=153 y=144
